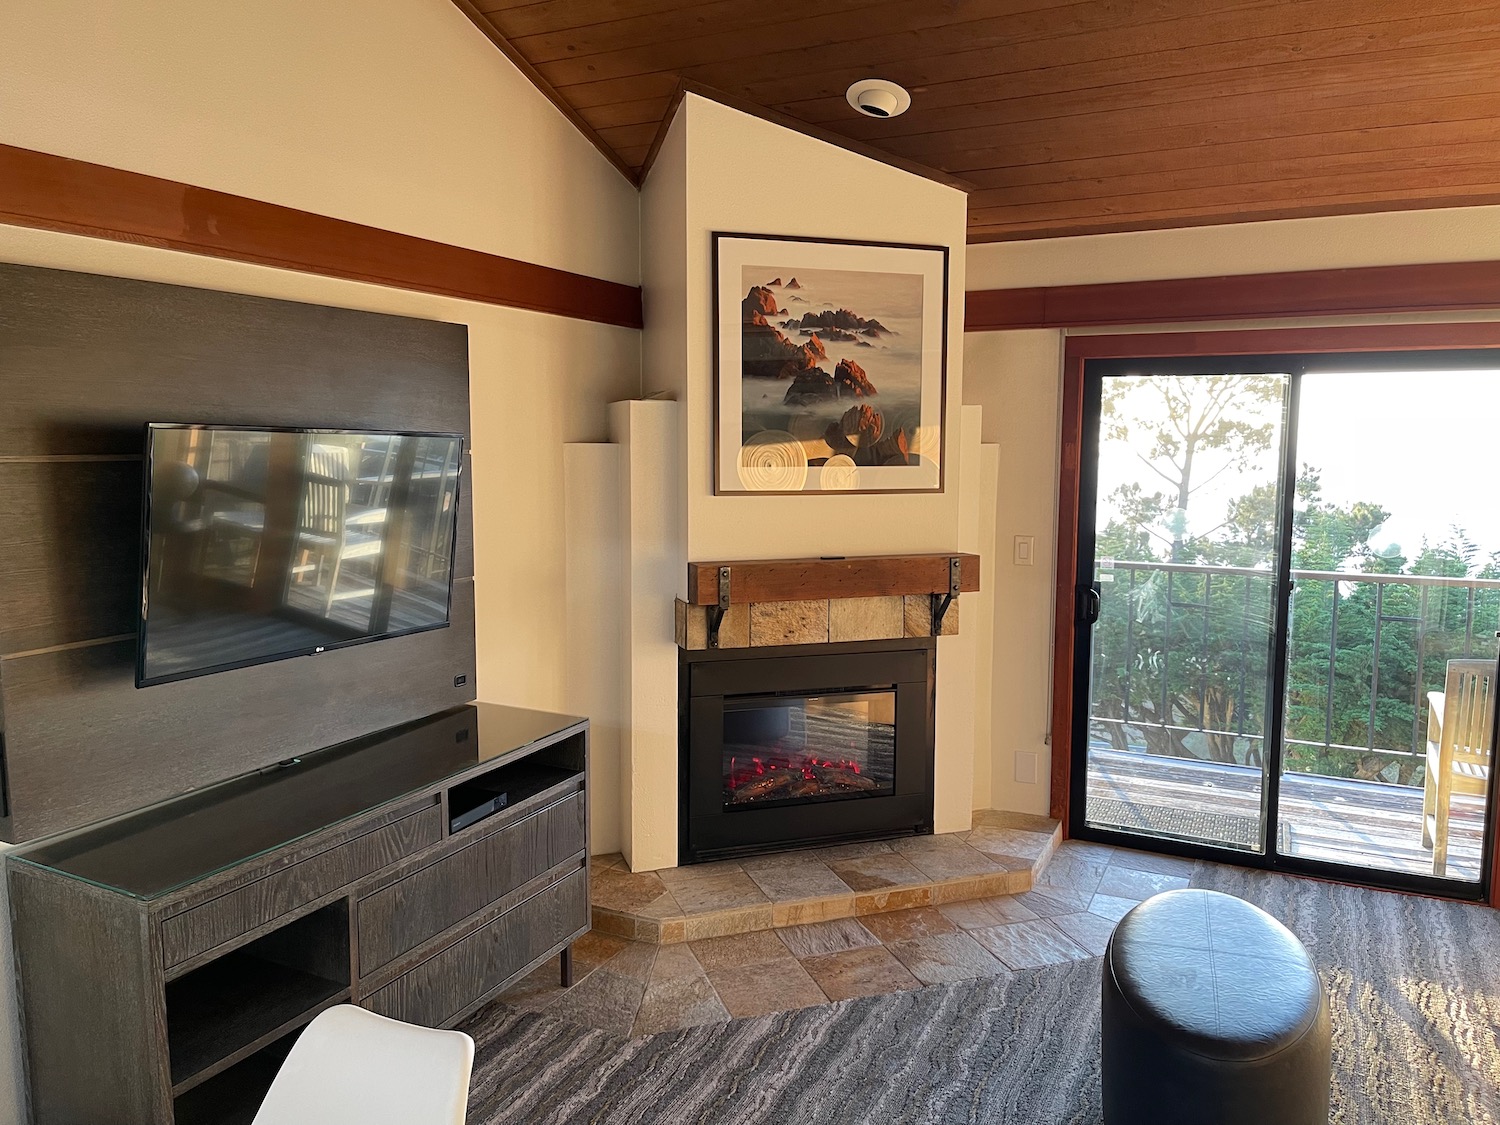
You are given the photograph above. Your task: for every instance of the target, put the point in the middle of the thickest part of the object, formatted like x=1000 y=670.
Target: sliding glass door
x=1289 y=591
x=1184 y=587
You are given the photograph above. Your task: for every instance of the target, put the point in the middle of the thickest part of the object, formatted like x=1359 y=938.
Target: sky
x=1420 y=444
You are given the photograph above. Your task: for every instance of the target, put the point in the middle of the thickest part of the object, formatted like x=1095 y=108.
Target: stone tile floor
x=997 y=856
x=638 y=988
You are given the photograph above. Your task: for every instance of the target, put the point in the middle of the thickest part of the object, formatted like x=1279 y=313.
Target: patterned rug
x=1415 y=986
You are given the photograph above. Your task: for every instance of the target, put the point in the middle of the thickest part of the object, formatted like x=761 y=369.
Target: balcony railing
x=1181 y=663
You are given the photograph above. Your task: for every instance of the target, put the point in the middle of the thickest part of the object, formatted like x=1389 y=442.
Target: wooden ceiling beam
x=1366 y=291
x=47 y=192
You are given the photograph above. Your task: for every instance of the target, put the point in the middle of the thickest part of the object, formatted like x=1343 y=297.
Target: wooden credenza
x=167 y=961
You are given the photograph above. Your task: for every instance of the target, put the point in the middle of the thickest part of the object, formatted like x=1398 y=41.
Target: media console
x=168 y=960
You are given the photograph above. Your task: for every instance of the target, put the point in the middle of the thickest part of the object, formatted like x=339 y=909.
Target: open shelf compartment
x=234 y=1095
x=507 y=785
x=223 y=1012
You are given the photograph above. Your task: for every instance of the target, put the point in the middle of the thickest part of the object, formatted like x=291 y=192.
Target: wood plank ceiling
x=1070 y=118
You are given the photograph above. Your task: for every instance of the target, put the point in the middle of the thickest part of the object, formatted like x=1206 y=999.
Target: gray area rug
x=1415 y=987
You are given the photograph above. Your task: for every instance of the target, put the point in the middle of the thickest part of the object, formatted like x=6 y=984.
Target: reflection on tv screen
x=262 y=544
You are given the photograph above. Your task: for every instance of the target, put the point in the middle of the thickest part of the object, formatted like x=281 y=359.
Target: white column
x=650 y=474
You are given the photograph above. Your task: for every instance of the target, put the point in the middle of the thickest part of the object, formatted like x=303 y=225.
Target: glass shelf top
x=163 y=848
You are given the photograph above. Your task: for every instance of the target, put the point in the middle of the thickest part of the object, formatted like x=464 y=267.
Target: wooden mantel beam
x=794 y=580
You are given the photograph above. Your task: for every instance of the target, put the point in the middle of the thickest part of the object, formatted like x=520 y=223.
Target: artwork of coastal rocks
x=816 y=385
x=804 y=392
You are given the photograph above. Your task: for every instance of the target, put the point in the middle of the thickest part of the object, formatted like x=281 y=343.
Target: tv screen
x=263 y=544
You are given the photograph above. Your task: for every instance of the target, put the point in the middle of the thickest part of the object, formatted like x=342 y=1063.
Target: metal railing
x=1158 y=632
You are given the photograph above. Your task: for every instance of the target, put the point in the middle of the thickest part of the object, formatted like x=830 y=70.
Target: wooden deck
x=1330 y=819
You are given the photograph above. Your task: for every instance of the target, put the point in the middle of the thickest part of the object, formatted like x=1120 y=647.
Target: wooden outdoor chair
x=1459 y=721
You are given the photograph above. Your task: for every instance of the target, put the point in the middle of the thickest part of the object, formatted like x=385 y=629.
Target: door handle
x=1090 y=601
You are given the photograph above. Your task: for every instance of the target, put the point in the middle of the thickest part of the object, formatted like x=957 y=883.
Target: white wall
x=1016 y=377
x=394 y=113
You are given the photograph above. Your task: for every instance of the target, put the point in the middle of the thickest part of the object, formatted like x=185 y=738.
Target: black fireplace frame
x=708 y=831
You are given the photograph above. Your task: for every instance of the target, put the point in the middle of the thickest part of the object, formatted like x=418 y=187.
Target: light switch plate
x=1025 y=549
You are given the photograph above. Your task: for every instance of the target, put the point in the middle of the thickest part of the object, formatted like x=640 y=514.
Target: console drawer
x=441 y=987
x=222 y=919
x=424 y=904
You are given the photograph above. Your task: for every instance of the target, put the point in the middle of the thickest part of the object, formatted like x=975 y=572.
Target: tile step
x=1002 y=854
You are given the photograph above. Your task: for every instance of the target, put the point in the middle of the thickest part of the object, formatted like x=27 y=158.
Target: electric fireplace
x=791 y=746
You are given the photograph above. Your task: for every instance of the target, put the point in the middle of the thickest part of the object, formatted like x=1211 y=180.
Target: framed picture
x=831 y=359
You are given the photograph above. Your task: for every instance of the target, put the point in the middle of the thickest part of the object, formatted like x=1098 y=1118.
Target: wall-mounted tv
x=261 y=544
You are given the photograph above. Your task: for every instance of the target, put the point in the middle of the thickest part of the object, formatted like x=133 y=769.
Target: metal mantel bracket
x=716 y=612
x=941 y=602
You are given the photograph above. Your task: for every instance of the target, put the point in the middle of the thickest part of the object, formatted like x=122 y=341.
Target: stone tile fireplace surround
x=807 y=700
x=633 y=527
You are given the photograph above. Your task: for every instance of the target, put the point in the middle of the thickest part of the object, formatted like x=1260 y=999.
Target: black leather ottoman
x=1213 y=1015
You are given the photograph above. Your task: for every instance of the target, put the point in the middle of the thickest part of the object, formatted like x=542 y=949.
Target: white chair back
x=352 y=1067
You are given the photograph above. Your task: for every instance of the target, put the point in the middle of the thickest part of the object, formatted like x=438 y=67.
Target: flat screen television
x=261 y=544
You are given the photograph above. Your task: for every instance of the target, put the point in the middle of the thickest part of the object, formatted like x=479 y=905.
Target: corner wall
x=394 y=113
x=723 y=170
x=1017 y=377
x=749 y=176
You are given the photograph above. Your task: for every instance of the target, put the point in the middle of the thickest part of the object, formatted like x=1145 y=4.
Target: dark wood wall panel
x=1073 y=117
x=69 y=545
x=83 y=743
x=88 y=360
x=85 y=362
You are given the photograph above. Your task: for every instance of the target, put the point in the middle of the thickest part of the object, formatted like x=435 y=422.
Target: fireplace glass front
x=780 y=749
x=805 y=745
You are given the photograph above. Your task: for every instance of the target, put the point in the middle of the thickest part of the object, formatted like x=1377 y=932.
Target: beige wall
x=1342 y=241
x=723 y=170
x=1016 y=377
x=750 y=176
x=395 y=113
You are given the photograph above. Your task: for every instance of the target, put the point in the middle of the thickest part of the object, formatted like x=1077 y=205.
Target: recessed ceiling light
x=875 y=97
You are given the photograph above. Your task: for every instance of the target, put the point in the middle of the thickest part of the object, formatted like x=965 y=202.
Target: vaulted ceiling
x=1067 y=118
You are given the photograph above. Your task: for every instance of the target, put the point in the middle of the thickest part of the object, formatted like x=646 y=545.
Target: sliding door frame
x=1279 y=345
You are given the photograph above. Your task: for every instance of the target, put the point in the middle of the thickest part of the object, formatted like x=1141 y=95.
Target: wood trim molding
x=662 y=129
x=56 y=193
x=1367 y=291
x=520 y=62
x=1289 y=341
x=1068 y=480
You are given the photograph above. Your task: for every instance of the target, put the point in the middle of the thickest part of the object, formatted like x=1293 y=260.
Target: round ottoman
x=1213 y=1015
